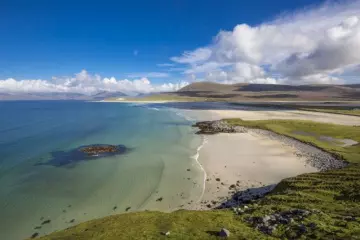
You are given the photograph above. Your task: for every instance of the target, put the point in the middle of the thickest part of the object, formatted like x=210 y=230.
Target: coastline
x=254 y=160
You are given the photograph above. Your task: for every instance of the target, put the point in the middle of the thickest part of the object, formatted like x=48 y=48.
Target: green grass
x=334 y=193
x=149 y=225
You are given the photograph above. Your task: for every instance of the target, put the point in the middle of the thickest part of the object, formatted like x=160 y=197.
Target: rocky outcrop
x=213 y=127
x=291 y=220
x=95 y=150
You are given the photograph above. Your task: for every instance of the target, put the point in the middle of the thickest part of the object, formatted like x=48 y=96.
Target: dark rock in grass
x=268 y=223
x=159 y=199
x=37 y=227
x=167 y=233
x=34 y=235
x=188 y=169
x=349 y=218
x=46 y=222
x=312 y=225
x=72 y=220
x=232 y=186
x=127 y=209
x=217 y=179
x=301 y=229
x=224 y=233
x=114 y=208
x=208 y=205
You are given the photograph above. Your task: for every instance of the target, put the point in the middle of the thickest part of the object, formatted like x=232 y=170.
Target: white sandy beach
x=251 y=160
x=247 y=160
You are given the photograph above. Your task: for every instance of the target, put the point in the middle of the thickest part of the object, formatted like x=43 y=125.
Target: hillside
x=275 y=92
x=59 y=96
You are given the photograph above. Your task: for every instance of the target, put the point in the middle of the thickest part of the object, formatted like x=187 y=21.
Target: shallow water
x=161 y=142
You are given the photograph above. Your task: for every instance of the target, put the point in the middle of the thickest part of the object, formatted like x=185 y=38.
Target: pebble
x=46 y=222
x=34 y=235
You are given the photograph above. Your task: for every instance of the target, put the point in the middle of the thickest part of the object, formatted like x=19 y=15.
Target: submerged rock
x=99 y=149
x=84 y=153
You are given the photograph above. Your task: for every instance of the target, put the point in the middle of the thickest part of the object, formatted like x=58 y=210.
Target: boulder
x=224 y=233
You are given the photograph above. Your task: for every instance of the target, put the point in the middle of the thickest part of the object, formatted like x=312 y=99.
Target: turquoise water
x=161 y=144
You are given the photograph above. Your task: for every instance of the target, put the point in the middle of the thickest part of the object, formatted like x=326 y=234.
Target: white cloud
x=165 y=64
x=86 y=83
x=198 y=55
x=306 y=46
x=206 y=67
x=149 y=74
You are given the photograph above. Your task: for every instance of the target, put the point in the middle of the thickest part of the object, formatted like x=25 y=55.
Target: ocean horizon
x=43 y=187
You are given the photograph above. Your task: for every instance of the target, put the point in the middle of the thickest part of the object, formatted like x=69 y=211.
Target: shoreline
x=252 y=163
x=141 y=101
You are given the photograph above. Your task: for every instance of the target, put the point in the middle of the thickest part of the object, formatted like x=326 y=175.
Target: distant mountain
x=59 y=96
x=253 y=92
x=106 y=94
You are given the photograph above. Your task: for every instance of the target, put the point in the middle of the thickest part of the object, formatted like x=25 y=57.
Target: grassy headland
x=332 y=197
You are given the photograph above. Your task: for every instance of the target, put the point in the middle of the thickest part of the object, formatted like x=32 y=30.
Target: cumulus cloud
x=302 y=47
x=196 y=56
x=86 y=83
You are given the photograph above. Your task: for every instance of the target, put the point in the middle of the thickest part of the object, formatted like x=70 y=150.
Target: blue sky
x=42 y=38
x=128 y=39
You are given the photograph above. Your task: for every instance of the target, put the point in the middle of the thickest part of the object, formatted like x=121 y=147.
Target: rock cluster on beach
x=213 y=127
x=314 y=156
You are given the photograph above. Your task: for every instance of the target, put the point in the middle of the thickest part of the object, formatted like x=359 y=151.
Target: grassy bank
x=333 y=194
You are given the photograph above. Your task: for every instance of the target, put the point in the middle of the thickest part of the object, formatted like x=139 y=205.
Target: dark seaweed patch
x=72 y=157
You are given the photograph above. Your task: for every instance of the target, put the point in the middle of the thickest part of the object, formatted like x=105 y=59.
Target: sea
x=43 y=188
